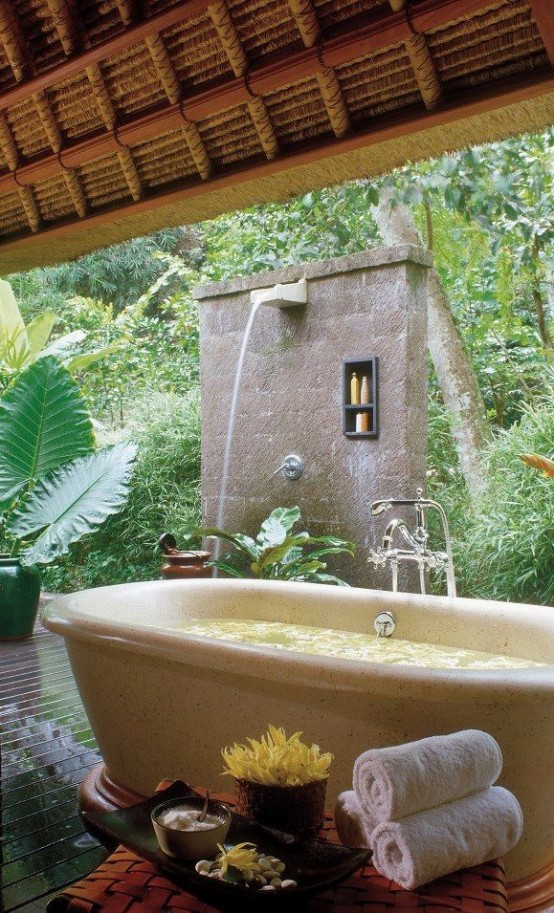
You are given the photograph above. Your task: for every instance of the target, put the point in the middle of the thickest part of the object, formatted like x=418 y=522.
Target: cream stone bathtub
x=163 y=703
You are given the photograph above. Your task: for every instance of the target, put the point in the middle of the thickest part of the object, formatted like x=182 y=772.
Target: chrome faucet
x=417 y=551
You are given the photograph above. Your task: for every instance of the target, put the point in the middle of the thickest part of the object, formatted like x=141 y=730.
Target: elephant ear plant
x=55 y=487
x=278 y=553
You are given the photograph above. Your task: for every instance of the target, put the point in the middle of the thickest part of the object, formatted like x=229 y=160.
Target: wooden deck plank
x=46 y=749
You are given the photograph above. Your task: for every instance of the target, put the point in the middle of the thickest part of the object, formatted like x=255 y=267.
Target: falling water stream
x=231 y=424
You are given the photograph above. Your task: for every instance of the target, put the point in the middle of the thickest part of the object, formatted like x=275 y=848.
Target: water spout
x=231 y=425
x=283 y=295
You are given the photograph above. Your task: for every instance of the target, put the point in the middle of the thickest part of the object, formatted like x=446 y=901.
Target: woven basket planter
x=300 y=809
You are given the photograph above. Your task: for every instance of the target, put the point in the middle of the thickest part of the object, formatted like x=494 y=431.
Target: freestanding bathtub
x=162 y=703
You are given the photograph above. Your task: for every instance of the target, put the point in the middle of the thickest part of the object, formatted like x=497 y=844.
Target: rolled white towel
x=454 y=836
x=391 y=783
x=353 y=826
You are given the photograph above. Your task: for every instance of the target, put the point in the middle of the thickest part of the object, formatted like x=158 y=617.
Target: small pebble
x=264 y=862
x=288 y=883
x=279 y=866
x=276 y=882
x=261 y=879
x=268 y=887
x=202 y=866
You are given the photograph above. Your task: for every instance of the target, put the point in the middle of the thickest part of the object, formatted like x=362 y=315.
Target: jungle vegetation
x=487 y=215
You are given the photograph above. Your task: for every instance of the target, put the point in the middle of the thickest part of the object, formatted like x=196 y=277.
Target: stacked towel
x=428 y=808
x=457 y=835
x=391 y=783
x=353 y=826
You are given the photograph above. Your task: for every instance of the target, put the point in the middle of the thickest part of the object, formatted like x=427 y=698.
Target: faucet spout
x=416 y=541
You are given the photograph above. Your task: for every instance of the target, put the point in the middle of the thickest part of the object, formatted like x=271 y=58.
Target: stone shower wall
x=290 y=399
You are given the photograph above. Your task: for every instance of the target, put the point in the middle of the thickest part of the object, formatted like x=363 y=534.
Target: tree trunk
x=455 y=374
x=538 y=300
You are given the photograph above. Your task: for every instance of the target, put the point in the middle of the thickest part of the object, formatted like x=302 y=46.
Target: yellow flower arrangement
x=277 y=760
x=242 y=856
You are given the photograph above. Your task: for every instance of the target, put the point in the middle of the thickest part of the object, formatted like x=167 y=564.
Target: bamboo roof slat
x=331 y=14
x=7 y=144
x=544 y=17
x=329 y=87
x=118 y=116
x=263 y=26
x=238 y=61
x=27 y=197
x=421 y=61
x=11 y=41
x=12 y=213
x=125 y=9
x=63 y=24
x=497 y=72
x=169 y=79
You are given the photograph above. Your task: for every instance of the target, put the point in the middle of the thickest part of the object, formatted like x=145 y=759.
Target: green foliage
x=487 y=215
x=73 y=502
x=277 y=553
x=55 y=488
x=317 y=226
x=21 y=344
x=44 y=422
x=143 y=352
x=508 y=550
x=116 y=275
x=165 y=496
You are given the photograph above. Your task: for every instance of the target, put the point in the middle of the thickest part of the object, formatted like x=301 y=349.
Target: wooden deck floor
x=46 y=749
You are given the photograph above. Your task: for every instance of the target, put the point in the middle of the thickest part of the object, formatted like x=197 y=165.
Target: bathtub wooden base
x=99 y=792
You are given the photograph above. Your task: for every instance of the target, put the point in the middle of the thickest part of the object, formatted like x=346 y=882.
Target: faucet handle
x=292 y=467
x=377 y=556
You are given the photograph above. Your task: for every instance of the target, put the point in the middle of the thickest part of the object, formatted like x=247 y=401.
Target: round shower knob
x=292 y=467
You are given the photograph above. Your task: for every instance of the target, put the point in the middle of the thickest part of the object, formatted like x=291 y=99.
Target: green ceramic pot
x=19 y=598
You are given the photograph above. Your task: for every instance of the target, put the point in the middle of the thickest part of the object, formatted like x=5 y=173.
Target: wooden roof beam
x=544 y=17
x=375 y=31
x=181 y=12
x=474 y=102
x=285 y=70
x=236 y=56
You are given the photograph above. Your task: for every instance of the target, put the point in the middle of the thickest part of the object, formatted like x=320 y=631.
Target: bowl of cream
x=181 y=834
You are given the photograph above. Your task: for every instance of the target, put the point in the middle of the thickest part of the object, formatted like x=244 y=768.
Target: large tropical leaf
x=11 y=321
x=63 y=346
x=44 y=422
x=275 y=529
x=74 y=501
x=243 y=543
x=276 y=554
x=81 y=362
x=38 y=332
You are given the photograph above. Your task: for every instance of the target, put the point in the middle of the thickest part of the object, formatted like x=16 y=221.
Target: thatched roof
x=118 y=117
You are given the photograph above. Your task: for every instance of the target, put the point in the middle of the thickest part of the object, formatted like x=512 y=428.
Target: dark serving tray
x=315 y=864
